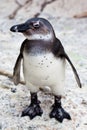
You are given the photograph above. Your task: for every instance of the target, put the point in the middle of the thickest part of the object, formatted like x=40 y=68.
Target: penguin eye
x=36 y=25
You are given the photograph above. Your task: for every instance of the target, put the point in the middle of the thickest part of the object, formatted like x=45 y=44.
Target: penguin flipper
x=58 y=51
x=16 y=72
x=74 y=71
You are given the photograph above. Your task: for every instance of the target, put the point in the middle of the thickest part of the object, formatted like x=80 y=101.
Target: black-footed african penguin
x=43 y=65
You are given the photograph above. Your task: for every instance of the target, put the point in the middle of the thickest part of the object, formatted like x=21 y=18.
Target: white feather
x=44 y=70
x=39 y=37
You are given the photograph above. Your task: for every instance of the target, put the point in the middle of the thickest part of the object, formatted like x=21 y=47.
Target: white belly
x=44 y=70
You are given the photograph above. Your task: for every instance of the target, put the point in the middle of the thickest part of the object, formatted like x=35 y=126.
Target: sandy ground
x=73 y=35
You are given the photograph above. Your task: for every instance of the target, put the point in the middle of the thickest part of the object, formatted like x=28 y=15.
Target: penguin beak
x=20 y=27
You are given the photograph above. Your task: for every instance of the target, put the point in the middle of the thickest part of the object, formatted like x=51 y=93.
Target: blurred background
x=24 y=9
x=69 y=20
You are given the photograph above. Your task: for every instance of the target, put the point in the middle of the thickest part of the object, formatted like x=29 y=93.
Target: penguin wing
x=16 y=72
x=17 y=67
x=58 y=51
x=74 y=70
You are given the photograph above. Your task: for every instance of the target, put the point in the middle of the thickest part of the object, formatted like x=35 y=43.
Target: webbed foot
x=59 y=114
x=34 y=108
x=32 y=111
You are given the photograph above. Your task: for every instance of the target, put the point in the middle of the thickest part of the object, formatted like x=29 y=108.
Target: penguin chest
x=44 y=69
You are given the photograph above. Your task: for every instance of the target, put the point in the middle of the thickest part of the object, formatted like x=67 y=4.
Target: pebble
x=14 y=90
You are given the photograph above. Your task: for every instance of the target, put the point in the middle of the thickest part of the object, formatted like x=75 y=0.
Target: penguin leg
x=34 y=108
x=58 y=112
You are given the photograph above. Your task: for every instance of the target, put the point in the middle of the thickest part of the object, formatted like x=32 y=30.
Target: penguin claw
x=59 y=114
x=32 y=111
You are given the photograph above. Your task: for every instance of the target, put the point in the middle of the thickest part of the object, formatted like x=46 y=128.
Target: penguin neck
x=36 y=47
x=41 y=43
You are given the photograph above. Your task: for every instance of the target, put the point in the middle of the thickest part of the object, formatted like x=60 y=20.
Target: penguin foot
x=59 y=114
x=32 y=111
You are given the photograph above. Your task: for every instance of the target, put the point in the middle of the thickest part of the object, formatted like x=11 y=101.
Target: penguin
x=44 y=60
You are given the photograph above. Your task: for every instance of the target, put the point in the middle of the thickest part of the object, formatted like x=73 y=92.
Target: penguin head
x=35 y=29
